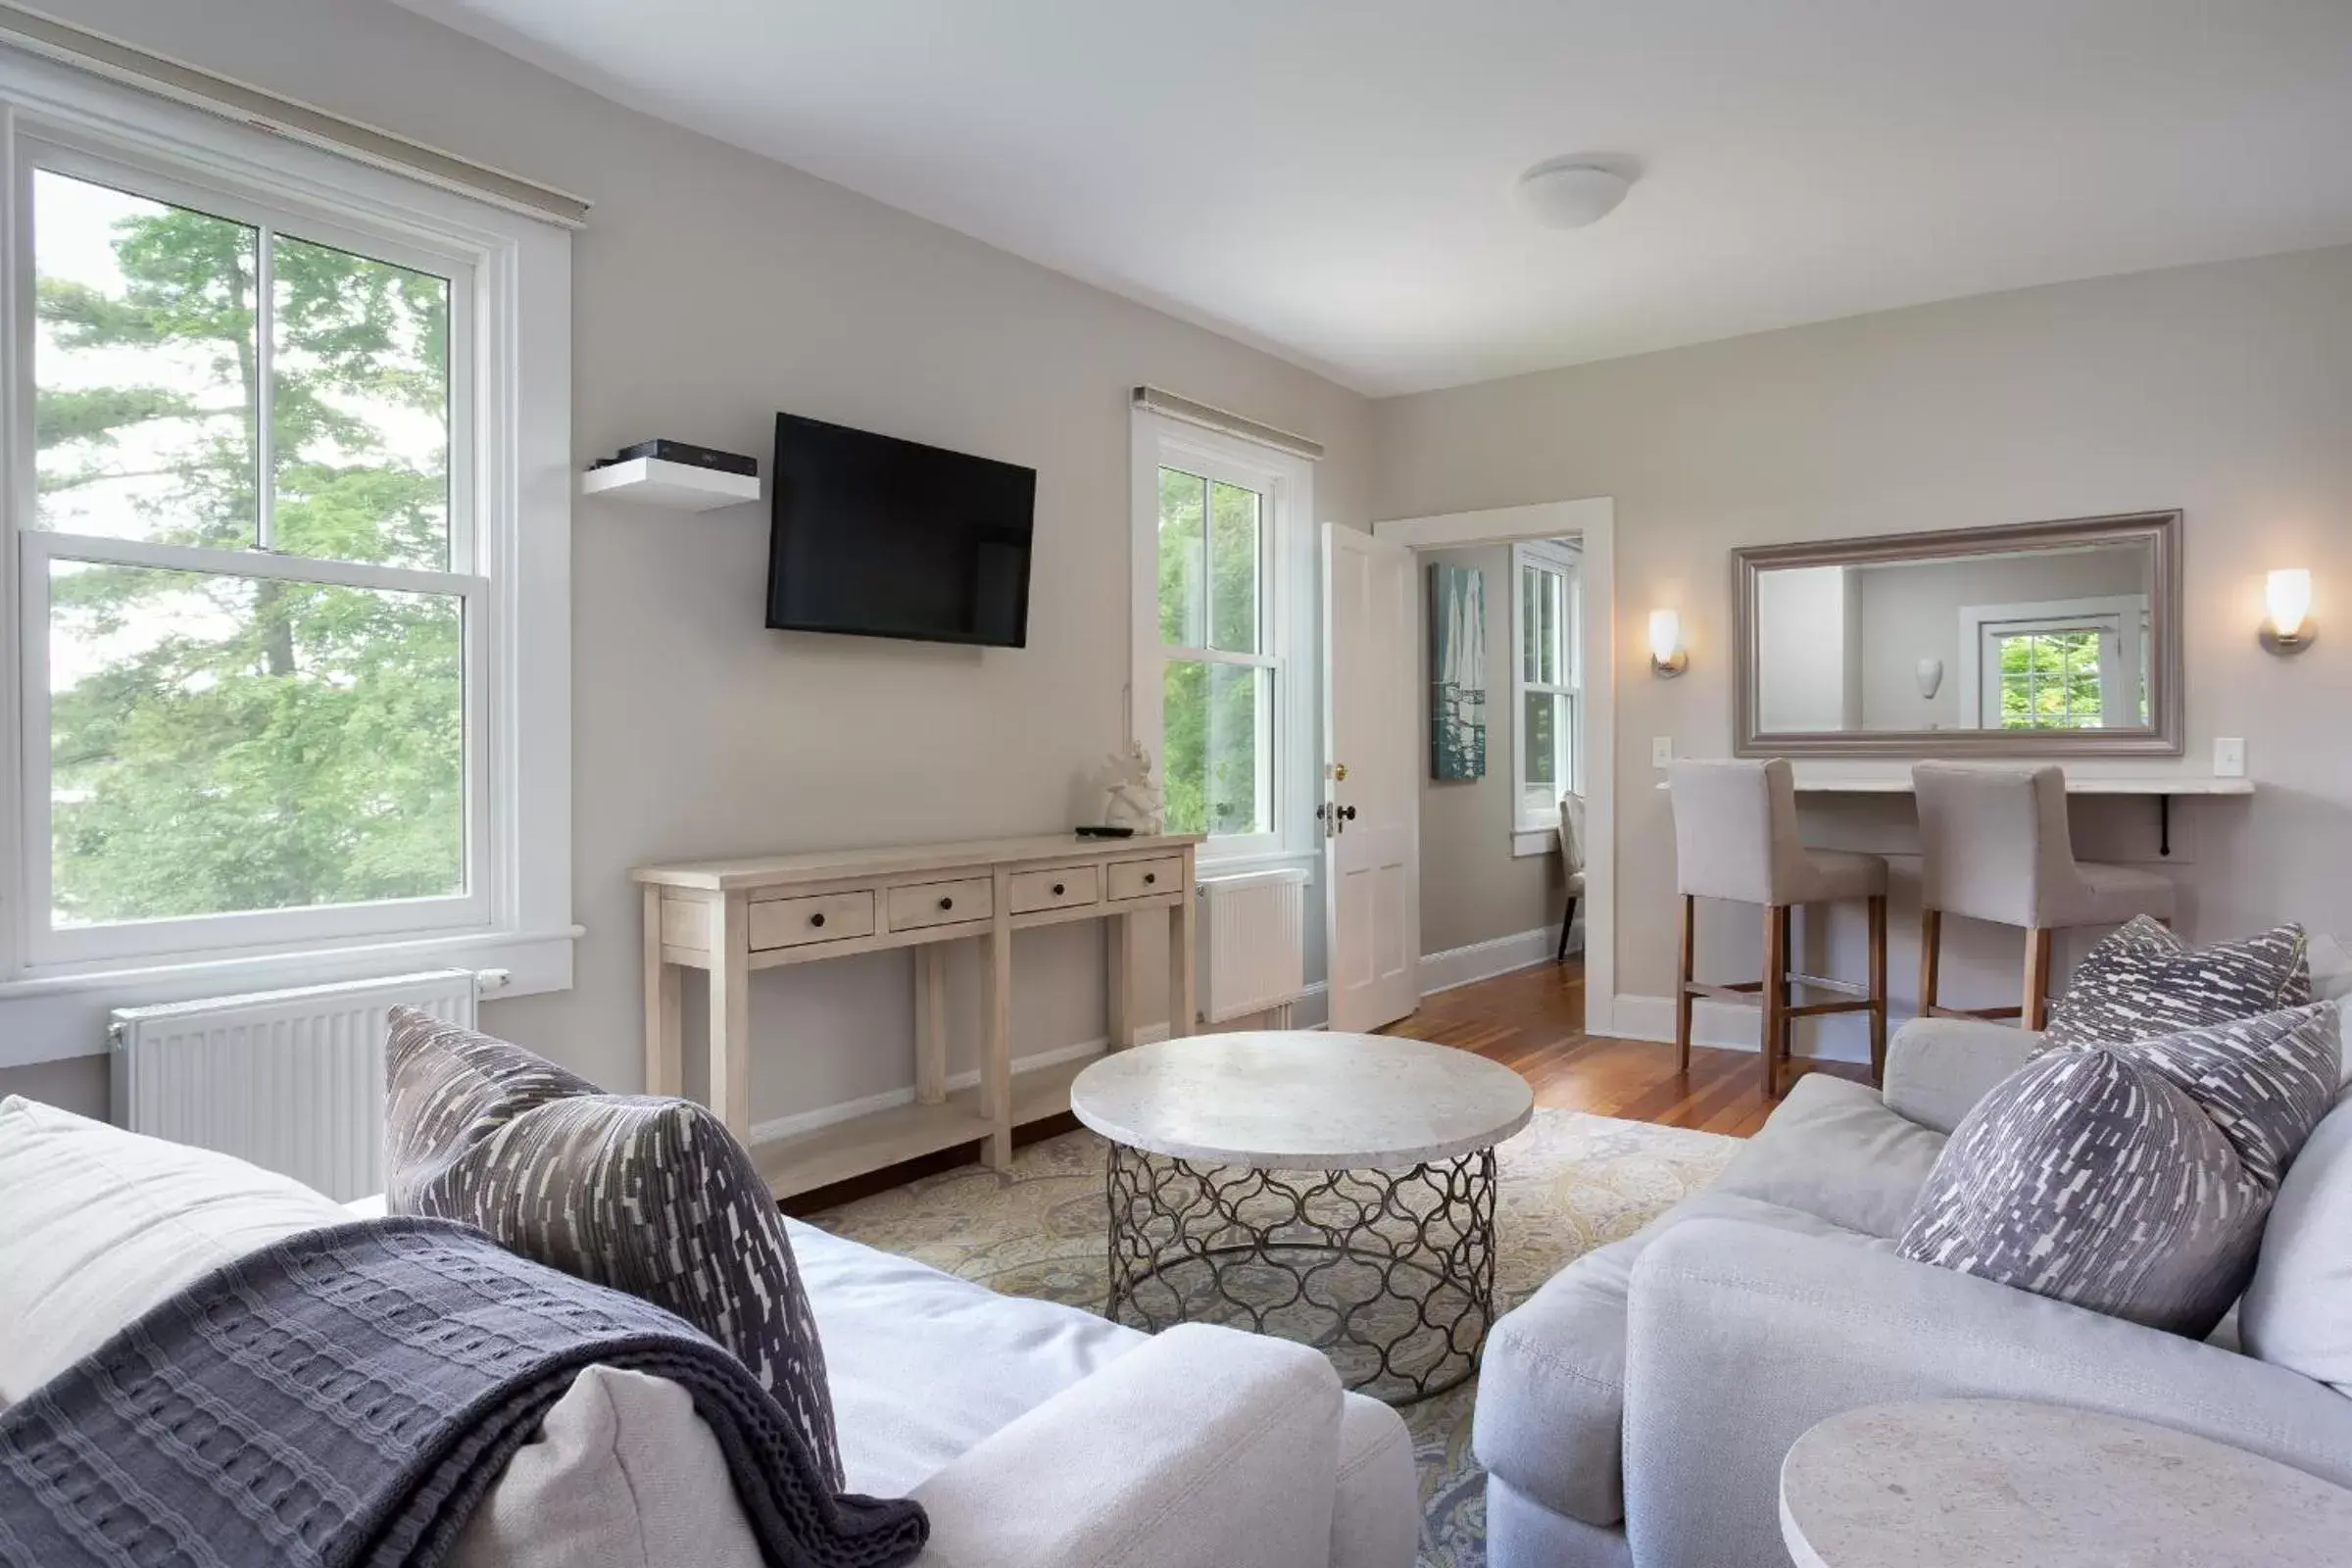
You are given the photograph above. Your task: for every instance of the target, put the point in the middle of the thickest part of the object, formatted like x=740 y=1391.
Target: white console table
x=729 y=917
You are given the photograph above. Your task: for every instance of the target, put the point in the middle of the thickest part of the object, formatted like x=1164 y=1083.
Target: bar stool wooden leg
x=1775 y=1038
x=1931 y=938
x=2035 y=1014
x=1685 y=973
x=1877 y=989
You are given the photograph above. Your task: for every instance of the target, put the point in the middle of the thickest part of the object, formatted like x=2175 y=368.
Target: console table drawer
x=1065 y=888
x=1145 y=879
x=941 y=904
x=798 y=922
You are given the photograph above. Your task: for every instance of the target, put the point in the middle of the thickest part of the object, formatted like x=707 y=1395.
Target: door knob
x=1346 y=814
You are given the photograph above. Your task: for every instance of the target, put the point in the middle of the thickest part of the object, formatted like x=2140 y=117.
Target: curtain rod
x=1215 y=418
x=216 y=94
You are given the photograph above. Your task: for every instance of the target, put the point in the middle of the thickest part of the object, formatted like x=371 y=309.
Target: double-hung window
x=270 y=669
x=1546 y=706
x=1215 y=693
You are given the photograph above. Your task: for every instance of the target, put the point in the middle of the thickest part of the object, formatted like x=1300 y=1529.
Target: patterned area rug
x=1569 y=1183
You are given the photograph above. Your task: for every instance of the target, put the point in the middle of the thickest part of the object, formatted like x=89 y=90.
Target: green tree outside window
x=222 y=743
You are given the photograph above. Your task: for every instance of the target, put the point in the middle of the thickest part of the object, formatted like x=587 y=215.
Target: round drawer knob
x=1150 y=877
x=947 y=904
x=816 y=919
x=1059 y=890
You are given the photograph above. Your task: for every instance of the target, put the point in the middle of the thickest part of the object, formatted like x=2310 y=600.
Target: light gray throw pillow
x=2298 y=1310
x=2142 y=981
x=2131 y=1179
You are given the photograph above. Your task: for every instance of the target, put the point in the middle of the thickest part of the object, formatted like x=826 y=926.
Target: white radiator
x=292 y=1081
x=1254 y=927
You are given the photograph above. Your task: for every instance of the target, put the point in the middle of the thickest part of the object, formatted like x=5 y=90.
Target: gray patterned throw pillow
x=2131 y=1179
x=645 y=1195
x=2142 y=981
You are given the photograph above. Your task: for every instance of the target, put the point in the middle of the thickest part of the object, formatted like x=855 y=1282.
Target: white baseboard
x=809 y=1121
x=1483 y=960
x=1729 y=1026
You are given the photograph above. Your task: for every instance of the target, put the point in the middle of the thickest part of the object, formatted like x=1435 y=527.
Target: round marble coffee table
x=1987 y=1482
x=1329 y=1188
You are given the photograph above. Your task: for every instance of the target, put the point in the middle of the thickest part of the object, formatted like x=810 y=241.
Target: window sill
x=50 y=1017
x=1528 y=842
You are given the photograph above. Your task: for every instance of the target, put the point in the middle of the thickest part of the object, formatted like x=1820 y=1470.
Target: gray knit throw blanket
x=347 y=1396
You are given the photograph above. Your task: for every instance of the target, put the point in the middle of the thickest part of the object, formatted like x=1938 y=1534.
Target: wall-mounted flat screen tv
x=880 y=537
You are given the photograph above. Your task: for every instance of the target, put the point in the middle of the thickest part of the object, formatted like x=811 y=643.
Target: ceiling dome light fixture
x=1572 y=192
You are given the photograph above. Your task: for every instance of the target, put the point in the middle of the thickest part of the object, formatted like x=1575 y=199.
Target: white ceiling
x=1332 y=178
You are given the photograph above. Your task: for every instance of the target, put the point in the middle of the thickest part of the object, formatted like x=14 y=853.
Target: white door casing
x=1371 y=801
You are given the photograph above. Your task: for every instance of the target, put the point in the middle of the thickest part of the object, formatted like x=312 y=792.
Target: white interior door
x=1371 y=807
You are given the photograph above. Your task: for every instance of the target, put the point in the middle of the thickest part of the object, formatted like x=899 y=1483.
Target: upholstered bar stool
x=1735 y=838
x=1993 y=846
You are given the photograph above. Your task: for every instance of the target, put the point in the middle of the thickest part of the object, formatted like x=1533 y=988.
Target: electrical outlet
x=2229 y=756
x=1662 y=749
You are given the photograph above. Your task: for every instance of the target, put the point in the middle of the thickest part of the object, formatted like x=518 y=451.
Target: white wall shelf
x=679 y=486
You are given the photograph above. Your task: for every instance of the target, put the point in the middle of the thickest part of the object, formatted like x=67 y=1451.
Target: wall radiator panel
x=1252 y=944
x=292 y=1081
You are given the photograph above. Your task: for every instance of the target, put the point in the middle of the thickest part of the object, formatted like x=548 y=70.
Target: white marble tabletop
x=1987 y=1482
x=1301 y=1101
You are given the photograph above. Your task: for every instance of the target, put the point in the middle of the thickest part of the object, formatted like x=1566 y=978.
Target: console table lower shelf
x=730 y=918
x=823 y=1155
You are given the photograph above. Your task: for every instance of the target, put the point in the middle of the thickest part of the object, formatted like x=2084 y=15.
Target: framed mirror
x=2028 y=640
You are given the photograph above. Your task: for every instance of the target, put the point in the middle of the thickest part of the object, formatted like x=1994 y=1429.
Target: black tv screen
x=888 y=538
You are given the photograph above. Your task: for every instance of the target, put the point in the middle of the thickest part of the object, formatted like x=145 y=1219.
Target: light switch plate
x=2229 y=756
x=1662 y=749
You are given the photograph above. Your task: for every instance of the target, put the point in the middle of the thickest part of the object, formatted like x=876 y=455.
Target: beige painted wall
x=2224 y=390
x=713 y=288
x=1472 y=890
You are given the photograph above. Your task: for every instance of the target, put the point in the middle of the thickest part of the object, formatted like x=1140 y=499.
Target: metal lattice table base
x=1390 y=1273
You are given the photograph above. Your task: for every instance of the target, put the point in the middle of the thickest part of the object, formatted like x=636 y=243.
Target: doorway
x=1514 y=687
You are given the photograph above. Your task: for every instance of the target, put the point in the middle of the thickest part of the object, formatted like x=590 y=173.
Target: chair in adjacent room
x=1572 y=862
x=1736 y=838
x=1995 y=846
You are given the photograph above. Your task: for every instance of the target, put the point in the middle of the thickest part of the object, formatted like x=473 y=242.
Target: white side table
x=1984 y=1483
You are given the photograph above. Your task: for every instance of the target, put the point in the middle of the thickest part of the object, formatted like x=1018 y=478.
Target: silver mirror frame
x=2161 y=530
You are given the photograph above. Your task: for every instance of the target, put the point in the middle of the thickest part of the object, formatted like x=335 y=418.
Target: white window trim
x=1288 y=632
x=2128 y=611
x=1531 y=834
x=517 y=919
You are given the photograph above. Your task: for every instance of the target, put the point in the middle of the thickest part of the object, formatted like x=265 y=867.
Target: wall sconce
x=2287 y=594
x=1667 y=655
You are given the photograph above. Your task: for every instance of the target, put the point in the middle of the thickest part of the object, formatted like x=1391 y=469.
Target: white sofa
x=1035 y=1436
x=1041 y=1435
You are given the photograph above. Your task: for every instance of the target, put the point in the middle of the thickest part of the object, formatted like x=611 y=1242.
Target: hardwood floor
x=1533 y=1022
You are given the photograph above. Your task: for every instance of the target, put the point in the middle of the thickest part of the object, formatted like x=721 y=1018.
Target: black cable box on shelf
x=688 y=453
